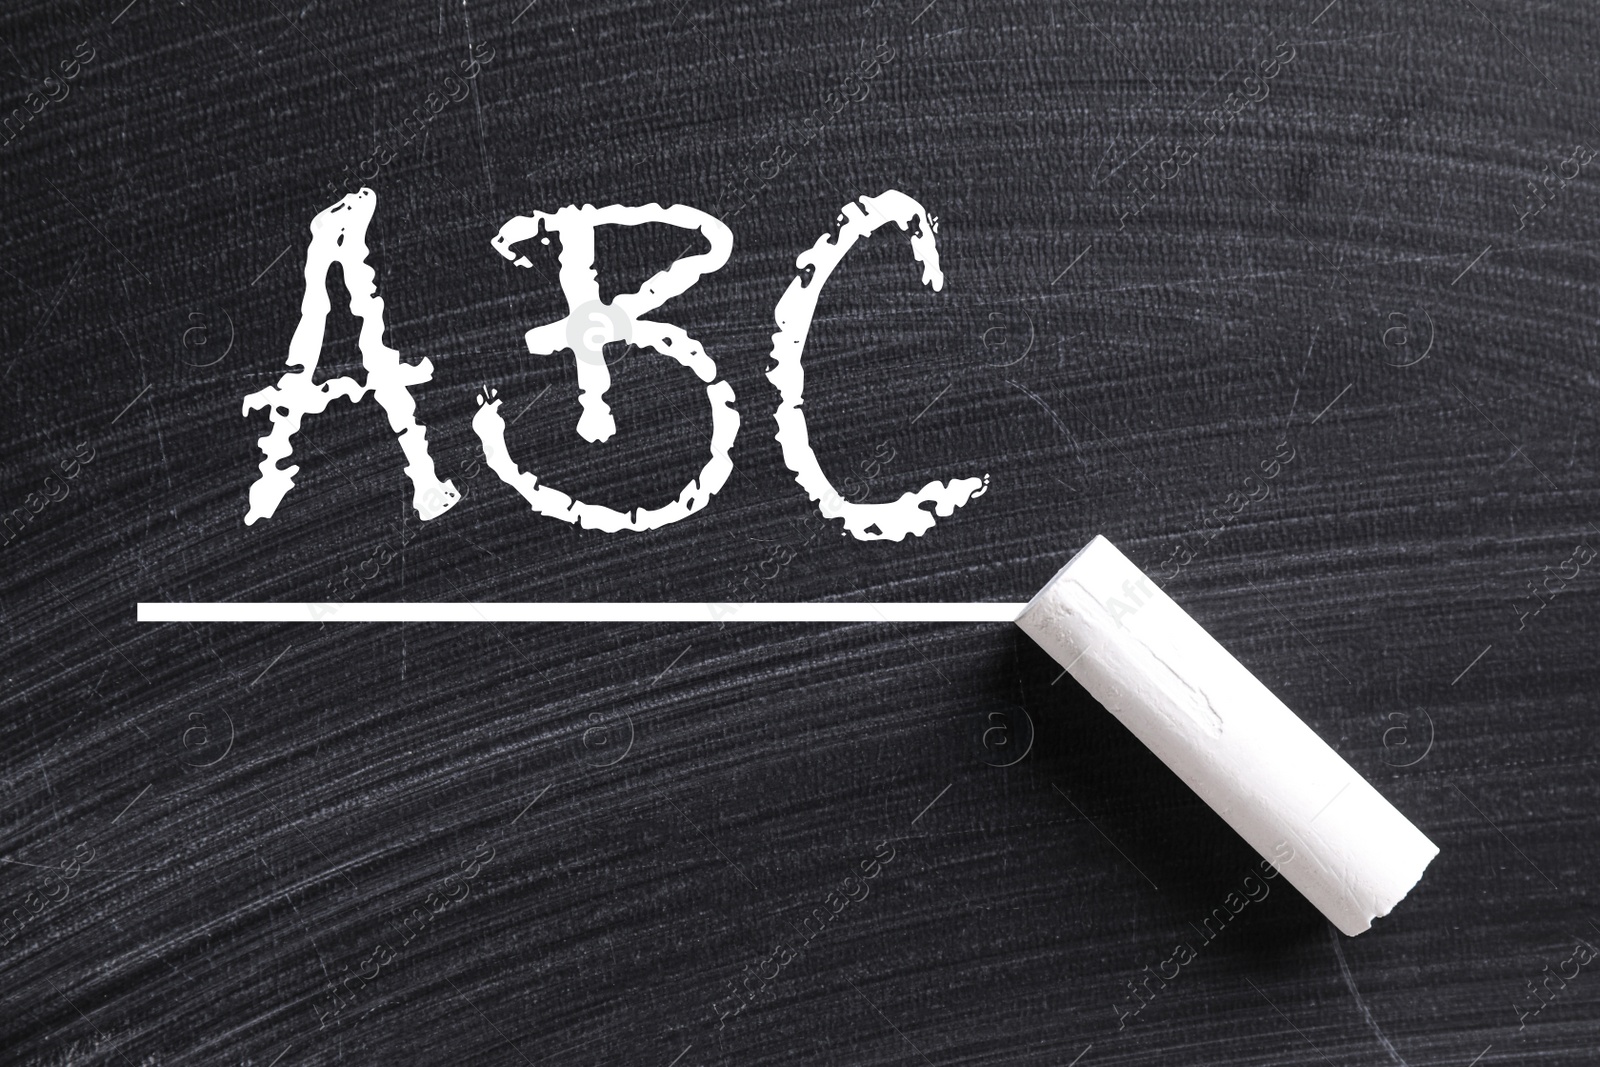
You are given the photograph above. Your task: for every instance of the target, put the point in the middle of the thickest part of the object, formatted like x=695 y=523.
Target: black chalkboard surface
x=1175 y=239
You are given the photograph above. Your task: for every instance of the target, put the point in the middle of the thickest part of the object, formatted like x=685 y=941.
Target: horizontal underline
x=642 y=611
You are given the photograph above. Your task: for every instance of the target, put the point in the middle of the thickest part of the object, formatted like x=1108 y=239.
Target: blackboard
x=1174 y=238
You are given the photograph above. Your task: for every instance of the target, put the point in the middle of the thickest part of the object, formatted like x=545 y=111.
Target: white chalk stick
x=1294 y=799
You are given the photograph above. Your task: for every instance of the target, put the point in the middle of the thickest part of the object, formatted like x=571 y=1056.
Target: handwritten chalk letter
x=339 y=235
x=858 y=219
x=589 y=325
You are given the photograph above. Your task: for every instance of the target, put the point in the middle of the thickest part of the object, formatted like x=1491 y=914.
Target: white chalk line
x=612 y=612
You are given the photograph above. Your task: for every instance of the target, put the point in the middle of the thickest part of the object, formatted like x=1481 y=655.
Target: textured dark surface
x=262 y=805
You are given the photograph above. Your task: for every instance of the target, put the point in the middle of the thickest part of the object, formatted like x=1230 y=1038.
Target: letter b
x=591 y=324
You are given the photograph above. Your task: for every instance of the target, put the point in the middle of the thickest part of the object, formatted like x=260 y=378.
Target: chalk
x=1287 y=793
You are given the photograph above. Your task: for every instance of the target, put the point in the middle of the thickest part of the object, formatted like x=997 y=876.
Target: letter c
x=867 y=522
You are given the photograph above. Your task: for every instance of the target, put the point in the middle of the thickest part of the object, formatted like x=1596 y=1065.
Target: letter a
x=339 y=235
